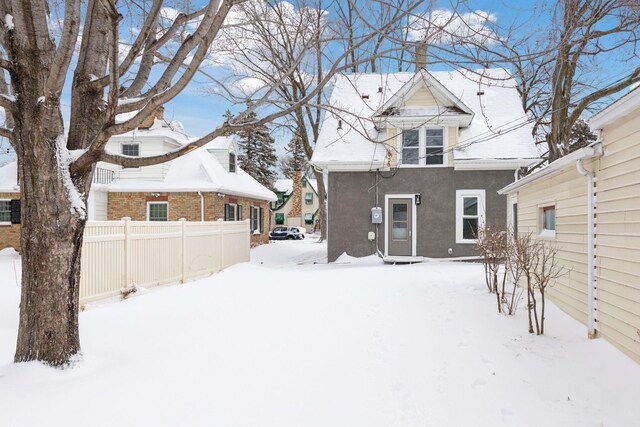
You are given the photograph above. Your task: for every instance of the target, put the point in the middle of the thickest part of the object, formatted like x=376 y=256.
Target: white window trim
x=256 y=216
x=513 y=201
x=422 y=147
x=414 y=221
x=157 y=203
x=235 y=211
x=130 y=169
x=482 y=206
x=6 y=222
x=543 y=232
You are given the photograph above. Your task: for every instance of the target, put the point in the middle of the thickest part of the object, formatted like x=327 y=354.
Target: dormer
x=225 y=150
x=421 y=101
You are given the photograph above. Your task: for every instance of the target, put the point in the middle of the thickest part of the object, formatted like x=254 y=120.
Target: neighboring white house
x=203 y=185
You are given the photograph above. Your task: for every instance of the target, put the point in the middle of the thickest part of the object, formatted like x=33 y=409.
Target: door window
x=400 y=228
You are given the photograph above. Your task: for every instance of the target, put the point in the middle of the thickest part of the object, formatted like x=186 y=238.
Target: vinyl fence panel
x=119 y=254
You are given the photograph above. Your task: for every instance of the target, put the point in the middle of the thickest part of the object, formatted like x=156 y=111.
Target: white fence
x=118 y=254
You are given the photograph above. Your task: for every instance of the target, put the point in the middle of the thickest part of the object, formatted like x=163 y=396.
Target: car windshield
x=279 y=229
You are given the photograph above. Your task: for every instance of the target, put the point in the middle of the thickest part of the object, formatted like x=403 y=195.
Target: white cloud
x=450 y=27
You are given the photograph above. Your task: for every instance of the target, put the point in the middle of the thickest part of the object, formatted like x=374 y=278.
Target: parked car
x=286 y=233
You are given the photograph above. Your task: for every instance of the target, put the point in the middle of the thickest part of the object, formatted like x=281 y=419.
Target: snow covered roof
x=199 y=171
x=499 y=129
x=286 y=185
x=220 y=143
x=9 y=178
x=159 y=129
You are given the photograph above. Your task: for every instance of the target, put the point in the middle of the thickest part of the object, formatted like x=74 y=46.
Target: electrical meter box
x=376 y=215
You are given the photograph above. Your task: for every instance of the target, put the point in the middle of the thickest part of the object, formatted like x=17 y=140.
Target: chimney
x=296 y=202
x=157 y=114
x=421 y=56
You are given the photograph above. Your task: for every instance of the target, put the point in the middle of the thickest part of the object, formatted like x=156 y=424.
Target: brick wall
x=186 y=205
x=10 y=234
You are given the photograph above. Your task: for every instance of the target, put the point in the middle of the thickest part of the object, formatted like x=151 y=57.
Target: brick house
x=203 y=185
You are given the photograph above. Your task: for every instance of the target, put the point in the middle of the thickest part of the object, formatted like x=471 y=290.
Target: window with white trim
x=5 y=211
x=308 y=198
x=411 y=147
x=255 y=219
x=470 y=214
x=132 y=150
x=423 y=147
x=230 y=212
x=548 y=221
x=157 y=211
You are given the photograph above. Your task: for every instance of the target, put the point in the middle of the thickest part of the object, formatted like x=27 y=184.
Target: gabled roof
x=500 y=130
x=420 y=79
x=286 y=185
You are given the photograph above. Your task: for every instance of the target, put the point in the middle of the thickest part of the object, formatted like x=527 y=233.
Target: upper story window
x=232 y=162
x=434 y=146
x=423 y=147
x=411 y=147
x=308 y=198
x=132 y=150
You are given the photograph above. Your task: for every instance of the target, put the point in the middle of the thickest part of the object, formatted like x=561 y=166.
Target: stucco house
x=298 y=203
x=587 y=204
x=203 y=185
x=418 y=158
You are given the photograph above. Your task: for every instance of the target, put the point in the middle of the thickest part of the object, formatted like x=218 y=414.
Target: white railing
x=119 y=254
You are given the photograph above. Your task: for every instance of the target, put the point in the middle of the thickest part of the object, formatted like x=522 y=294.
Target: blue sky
x=200 y=112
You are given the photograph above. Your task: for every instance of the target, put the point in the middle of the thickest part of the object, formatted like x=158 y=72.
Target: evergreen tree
x=257 y=152
x=581 y=135
x=296 y=159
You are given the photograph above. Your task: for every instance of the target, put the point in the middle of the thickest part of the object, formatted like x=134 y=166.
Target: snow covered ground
x=289 y=341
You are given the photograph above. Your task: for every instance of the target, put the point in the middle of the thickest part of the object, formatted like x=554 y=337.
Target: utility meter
x=376 y=215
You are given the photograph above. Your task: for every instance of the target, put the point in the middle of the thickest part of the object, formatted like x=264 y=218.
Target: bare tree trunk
x=53 y=212
x=529 y=303
x=542 y=303
x=322 y=196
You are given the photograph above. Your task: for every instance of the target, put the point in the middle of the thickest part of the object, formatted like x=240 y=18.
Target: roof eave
x=591 y=151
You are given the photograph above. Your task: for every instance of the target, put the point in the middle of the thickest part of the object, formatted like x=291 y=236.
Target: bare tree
x=56 y=165
x=292 y=51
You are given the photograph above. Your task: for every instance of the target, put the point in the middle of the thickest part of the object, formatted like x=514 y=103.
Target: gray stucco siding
x=353 y=194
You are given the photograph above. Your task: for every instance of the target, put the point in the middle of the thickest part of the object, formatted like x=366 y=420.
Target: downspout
x=591 y=283
x=201 y=206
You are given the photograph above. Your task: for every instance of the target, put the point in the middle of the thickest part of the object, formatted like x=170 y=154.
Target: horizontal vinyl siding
x=568 y=192
x=618 y=236
x=422 y=98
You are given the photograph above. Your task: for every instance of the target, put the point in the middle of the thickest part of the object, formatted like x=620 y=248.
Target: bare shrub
x=493 y=246
x=534 y=261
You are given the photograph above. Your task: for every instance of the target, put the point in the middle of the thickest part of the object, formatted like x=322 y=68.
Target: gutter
x=591 y=281
x=201 y=206
x=585 y=153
